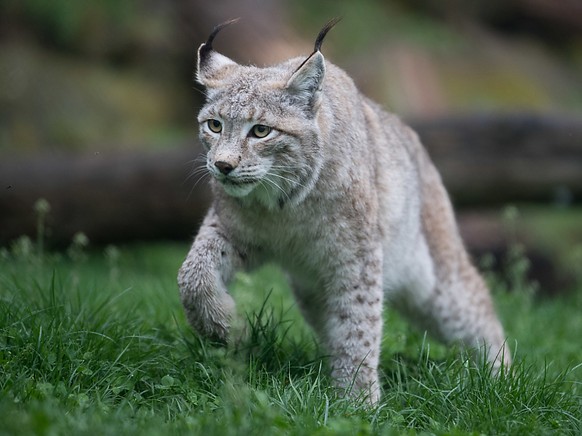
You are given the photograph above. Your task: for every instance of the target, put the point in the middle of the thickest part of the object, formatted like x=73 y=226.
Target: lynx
x=309 y=173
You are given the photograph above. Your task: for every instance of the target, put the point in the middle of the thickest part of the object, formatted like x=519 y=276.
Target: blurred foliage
x=107 y=73
x=370 y=23
x=78 y=74
x=75 y=25
x=57 y=102
x=431 y=57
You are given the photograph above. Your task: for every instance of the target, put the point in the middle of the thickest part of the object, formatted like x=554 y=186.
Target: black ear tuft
x=207 y=46
x=324 y=31
x=319 y=39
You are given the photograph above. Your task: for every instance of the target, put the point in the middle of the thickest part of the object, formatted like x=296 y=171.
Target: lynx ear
x=212 y=65
x=306 y=82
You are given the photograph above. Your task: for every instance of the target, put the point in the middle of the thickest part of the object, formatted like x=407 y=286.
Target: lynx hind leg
x=462 y=311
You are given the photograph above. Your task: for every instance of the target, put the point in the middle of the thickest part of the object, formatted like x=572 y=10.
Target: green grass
x=98 y=344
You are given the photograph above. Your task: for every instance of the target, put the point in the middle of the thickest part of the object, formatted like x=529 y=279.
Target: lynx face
x=259 y=127
x=256 y=145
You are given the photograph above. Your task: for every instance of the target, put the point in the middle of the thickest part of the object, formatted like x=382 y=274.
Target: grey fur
x=344 y=197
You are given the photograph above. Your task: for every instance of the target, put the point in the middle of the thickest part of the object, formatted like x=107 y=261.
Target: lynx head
x=259 y=125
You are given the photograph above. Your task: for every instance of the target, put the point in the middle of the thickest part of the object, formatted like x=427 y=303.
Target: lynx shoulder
x=309 y=173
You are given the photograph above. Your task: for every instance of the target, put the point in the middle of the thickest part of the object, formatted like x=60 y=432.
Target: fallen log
x=498 y=158
x=109 y=196
x=121 y=196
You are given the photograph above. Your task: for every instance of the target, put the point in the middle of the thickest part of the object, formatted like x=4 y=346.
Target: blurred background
x=98 y=109
x=77 y=74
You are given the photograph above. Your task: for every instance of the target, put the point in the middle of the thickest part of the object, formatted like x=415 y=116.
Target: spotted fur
x=344 y=197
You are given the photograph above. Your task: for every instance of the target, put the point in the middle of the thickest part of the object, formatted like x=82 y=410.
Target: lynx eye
x=260 y=130
x=214 y=126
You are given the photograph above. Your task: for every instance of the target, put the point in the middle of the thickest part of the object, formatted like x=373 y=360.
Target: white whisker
x=202 y=177
x=264 y=185
x=199 y=172
x=196 y=172
x=272 y=182
x=287 y=179
x=198 y=169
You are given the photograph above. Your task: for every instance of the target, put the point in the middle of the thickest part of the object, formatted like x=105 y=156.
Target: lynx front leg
x=202 y=280
x=352 y=328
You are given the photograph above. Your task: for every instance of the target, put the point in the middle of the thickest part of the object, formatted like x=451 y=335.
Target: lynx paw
x=211 y=318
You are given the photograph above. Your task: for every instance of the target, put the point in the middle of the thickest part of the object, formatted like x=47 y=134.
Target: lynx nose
x=224 y=167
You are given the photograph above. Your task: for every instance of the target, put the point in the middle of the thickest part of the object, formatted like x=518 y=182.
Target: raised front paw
x=209 y=308
x=211 y=317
